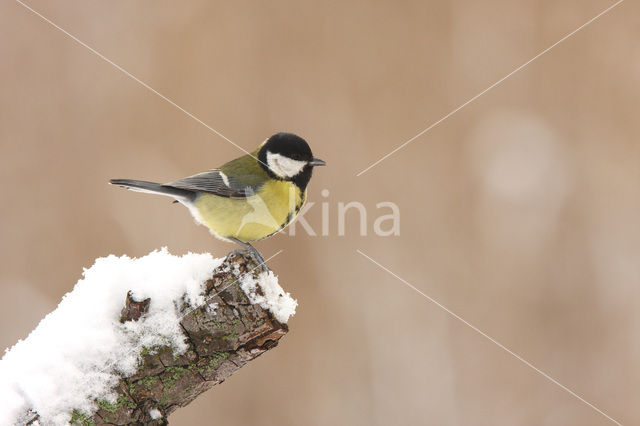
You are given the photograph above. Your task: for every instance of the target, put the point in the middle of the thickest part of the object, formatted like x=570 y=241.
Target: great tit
x=249 y=198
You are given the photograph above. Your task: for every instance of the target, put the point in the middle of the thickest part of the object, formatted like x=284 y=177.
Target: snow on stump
x=138 y=338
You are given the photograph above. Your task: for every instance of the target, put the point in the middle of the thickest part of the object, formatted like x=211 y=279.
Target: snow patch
x=266 y=292
x=155 y=414
x=77 y=351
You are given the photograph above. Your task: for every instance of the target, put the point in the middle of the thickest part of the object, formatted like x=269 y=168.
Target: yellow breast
x=268 y=211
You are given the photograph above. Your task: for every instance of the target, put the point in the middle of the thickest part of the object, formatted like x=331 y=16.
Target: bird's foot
x=256 y=257
x=261 y=264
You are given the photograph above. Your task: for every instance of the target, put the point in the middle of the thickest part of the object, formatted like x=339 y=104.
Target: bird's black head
x=286 y=156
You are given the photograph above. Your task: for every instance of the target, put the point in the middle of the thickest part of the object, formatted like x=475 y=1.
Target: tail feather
x=154 y=188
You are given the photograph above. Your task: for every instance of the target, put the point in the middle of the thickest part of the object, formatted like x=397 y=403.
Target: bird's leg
x=255 y=254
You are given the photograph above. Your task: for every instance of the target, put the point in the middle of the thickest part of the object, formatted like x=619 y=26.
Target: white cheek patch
x=283 y=166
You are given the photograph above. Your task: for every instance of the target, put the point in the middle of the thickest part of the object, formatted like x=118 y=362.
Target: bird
x=247 y=199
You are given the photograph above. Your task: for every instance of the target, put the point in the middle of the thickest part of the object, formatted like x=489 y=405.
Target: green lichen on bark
x=223 y=334
x=79 y=418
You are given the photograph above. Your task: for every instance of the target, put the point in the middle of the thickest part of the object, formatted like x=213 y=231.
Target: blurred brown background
x=520 y=212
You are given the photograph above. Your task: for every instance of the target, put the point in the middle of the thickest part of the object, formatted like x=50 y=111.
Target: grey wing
x=214 y=182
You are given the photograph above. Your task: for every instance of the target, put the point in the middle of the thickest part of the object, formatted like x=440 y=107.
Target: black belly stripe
x=290 y=217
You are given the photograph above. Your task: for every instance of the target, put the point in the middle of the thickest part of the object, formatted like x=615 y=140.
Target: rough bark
x=223 y=335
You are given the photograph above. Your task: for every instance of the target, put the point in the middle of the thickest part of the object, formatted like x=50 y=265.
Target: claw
x=261 y=264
